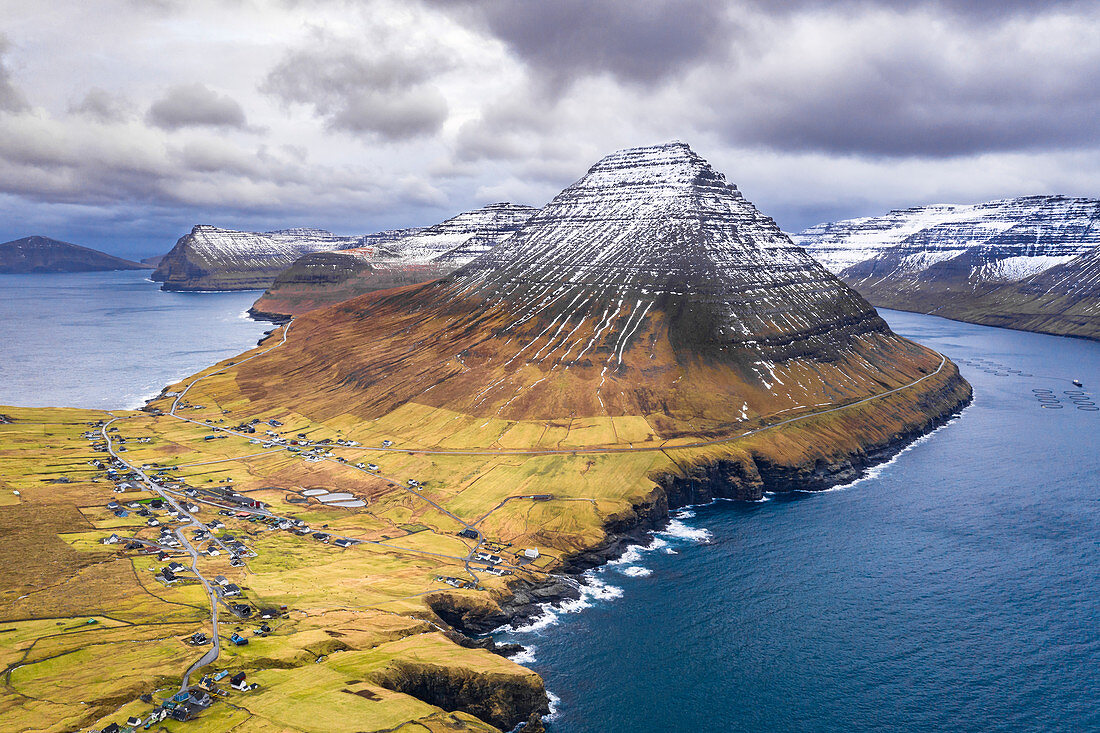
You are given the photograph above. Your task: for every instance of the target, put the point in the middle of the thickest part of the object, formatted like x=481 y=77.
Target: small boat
x=1077 y=383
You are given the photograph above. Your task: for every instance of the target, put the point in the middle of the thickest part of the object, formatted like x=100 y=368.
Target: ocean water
x=956 y=588
x=111 y=339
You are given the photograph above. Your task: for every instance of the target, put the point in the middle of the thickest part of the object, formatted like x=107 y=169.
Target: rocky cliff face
x=42 y=254
x=650 y=287
x=415 y=256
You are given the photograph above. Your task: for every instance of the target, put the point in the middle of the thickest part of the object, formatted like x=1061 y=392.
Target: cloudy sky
x=125 y=122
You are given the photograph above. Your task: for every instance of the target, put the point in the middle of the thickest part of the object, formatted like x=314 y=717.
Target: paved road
x=559 y=451
x=214 y=651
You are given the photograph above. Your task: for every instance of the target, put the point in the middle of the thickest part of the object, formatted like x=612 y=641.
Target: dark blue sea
x=956 y=588
x=110 y=339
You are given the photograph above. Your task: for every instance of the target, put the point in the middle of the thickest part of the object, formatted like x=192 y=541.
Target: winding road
x=212 y=653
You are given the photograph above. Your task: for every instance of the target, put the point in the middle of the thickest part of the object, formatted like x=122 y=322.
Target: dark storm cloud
x=389 y=96
x=11 y=99
x=982 y=9
x=933 y=93
x=101 y=105
x=195 y=105
x=637 y=42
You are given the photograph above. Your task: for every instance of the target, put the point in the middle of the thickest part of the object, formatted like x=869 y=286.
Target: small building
x=469 y=533
x=230 y=590
x=531 y=553
x=238 y=640
x=219 y=676
x=200 y=697
x=343 y=542
x=112 y=540
x=221 y=580
x=237 y=681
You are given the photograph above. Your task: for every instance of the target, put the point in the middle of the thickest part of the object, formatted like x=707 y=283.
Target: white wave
x=684 y=514
x=527 y=656
x=554 y=702
x=633 y=553
x=591 y=589
x=679 y=530
x=670 y=551
x=636 y=571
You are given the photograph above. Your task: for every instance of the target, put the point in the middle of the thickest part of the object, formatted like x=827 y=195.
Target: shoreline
x=529 y=601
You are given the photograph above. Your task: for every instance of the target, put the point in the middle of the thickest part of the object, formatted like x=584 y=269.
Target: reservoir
x=111 y=339
x=956 y=588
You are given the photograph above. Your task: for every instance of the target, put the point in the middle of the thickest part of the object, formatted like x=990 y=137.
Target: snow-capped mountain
x=410 y=257
x=946 y=258
x=462 y=237
x=211 y=258
x=1064 y=300
x=649 y=291
x=993 y=242
x=649 y=224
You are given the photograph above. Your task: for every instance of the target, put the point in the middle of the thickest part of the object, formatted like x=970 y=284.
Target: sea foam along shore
x=623 y=553
x=596 y=585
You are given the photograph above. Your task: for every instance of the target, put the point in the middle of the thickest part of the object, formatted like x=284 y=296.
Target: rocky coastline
x=728 y=480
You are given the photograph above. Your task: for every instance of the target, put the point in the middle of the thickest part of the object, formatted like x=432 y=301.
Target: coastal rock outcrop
x=964 y=261
x=324 y=278
x=42 y=254
x=500 y=699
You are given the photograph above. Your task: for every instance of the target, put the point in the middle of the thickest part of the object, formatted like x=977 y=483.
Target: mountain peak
x=672 y=163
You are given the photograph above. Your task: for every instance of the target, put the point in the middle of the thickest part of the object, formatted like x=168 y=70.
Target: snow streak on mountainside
x=419 y=255
x=998 y=241
x=1063 y=300
x=962 y=261
x=650 y=288
x=210 y=258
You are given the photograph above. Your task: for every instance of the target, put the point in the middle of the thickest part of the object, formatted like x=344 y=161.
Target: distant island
x=43 y=255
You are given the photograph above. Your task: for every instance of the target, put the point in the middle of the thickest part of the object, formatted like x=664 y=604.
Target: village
x=163 y=511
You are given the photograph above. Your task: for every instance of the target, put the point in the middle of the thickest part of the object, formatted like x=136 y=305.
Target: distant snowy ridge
x=212 y=258
x=997 y=241
x=984 y=263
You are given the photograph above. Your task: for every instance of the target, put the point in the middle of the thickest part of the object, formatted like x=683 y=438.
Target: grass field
x=354 y=631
